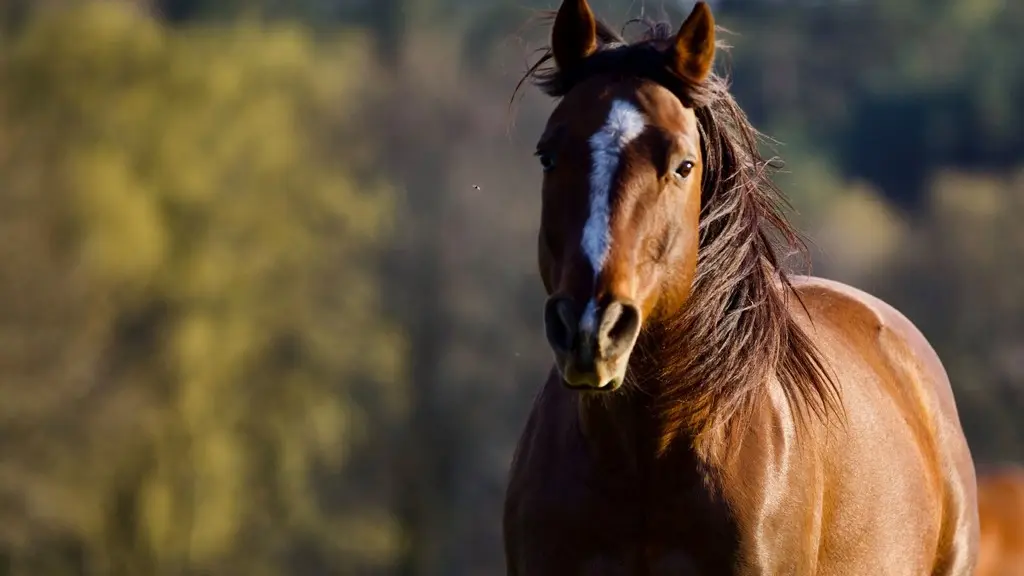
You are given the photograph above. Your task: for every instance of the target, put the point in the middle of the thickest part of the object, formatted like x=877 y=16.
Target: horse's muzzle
x=591 y=354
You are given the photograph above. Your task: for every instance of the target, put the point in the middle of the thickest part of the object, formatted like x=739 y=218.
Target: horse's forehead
x=590 y=107
x=664 y=109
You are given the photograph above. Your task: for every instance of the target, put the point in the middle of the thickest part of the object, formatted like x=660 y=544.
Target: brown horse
x=1001 y=511
x=708 y=414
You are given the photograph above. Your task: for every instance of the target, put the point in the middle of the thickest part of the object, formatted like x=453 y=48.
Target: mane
x=735 y=332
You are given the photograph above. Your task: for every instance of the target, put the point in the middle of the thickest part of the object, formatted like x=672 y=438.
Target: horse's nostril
x=560 y=323
x=619 y=328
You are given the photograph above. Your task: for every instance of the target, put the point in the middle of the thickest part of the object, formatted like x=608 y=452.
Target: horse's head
x=622 y=163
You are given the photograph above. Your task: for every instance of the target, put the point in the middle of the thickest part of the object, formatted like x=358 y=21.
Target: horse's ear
x=574 y=35
x=693 y=51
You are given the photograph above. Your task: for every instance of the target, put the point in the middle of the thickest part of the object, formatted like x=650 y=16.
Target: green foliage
x=189 y=297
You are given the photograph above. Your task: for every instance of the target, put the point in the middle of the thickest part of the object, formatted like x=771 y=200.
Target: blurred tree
x=192 y=355
x=420 y=123
x=310 y=11
x=939 y=83
x=389 y=21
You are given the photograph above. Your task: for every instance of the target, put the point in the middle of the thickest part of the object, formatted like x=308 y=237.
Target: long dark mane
x=736 y=332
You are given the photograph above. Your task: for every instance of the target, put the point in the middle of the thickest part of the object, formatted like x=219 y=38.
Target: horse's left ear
x=693 y=51
x=574 y=35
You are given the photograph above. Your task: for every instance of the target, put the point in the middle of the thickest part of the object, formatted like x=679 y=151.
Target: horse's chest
x=649 y=562
x=600 y=526
x=568 y=520
x=595 y=509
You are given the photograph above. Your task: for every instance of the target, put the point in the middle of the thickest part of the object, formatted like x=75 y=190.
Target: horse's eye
x=546 y=161
x=684 y=169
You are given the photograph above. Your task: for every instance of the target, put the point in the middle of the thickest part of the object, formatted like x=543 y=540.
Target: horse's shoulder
x=877 y=330
x=854 y=327
x=843 y=305
x=855 y=308
x=880 y=331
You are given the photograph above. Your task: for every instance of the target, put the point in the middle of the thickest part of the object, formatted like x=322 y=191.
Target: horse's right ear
x=574 y=35
x=693 y=50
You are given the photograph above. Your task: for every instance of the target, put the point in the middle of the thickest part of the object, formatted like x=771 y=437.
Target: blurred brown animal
x=1001 y=512
x=707 y=413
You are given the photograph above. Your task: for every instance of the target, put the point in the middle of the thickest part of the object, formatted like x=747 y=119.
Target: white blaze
x=624 y=124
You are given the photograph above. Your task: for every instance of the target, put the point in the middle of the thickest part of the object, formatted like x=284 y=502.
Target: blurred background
x=268 y=298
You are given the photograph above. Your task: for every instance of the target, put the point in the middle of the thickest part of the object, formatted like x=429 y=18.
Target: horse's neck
x=626 y=430
x=615 y=428
x=623 y=433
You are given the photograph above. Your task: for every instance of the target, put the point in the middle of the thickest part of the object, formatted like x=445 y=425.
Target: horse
x=708 y=412
x=1001 y=510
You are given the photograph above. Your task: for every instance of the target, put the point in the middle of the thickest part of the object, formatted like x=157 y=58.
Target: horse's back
x=902 y=444
x=1001 y=510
